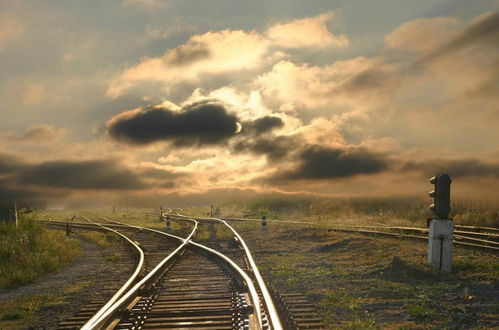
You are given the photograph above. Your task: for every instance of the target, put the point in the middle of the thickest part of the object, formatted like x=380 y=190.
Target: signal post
x=442 y=226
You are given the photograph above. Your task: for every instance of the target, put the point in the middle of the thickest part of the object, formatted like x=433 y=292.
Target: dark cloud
x=316 y=162
x=262 y=125
x=456 y=168
x=21 y=196
x=102 y=174
x=197 y=124
x=485 y=31
x=274 y=148
x=187 y=54
x=89 y=174
x=8 y=163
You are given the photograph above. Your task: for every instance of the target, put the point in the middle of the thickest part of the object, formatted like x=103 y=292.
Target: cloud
x=8 y=163
x=318 y=163
x=86 y=175
x=97 y=174
x=38 y=134
x=22 y=197
x=306 y=88
x=176 y=27
x=34 y=94
x=206 y=54
x=275 y=148
x=196 y=124
x=306 y=32
x=34 y=185
x=10 y=29
x=186 y=54
x=484 y=30
x=216 y=53
x=262 y=125
x=422 y=34
x=369 y=79
x=456 y=168
x=159 y=174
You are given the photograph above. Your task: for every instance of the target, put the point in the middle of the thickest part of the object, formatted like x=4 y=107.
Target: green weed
x=418 y=312
x=19 y=313
x=30 y=251
x=101 y=239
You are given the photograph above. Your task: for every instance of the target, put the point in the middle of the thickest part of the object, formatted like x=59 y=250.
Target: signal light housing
x=441 y=195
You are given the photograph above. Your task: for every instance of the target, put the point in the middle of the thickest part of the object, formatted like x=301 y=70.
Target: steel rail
x=252 y=290
x=104 y=317
x=490 y=229
x=125 y=286
x=487 y=243
x=269 y=303
x=251 y=287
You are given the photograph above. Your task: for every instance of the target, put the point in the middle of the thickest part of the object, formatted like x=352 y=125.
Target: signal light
x=441 y=195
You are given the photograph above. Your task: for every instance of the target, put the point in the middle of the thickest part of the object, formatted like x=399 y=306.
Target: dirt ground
x=57 y=296
x=364 y=282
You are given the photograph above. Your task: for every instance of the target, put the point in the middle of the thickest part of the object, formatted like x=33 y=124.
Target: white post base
x=440 y=244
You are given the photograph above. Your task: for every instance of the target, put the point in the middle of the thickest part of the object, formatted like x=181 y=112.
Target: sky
x=141 y=102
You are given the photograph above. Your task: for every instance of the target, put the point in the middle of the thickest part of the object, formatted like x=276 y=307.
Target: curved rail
x=253 y=293
x=125 y=286
x=105 y=315
x=269 y=303
x=252 y=290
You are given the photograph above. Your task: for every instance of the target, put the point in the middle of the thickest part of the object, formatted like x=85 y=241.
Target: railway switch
x=441 y=231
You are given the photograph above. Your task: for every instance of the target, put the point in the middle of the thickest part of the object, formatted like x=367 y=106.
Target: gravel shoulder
x=57 y=296
x=54 y=283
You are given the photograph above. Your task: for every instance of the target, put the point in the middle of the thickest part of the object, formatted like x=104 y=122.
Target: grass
x=22 y=312
x=360 y=282
x=31 y=251
x=362 y=211
x=101 y=239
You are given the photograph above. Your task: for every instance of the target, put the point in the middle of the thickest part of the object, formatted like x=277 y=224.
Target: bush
x=30 y=251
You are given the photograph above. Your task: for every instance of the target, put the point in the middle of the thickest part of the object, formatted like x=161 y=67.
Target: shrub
x=30 y=251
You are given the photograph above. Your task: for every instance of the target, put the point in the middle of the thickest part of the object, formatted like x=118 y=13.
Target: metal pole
x=16 y=216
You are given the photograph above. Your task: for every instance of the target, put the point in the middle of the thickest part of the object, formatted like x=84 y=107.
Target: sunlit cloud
x=306 y=32
x=204 y=54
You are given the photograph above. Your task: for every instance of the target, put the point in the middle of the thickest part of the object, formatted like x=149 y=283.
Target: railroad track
x=182 y=284
x=483 y=238
x=293 y=310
